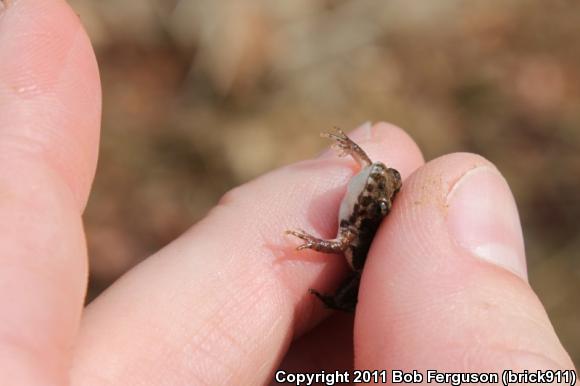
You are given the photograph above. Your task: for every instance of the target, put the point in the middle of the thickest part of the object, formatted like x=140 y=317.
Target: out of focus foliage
x=200 y=96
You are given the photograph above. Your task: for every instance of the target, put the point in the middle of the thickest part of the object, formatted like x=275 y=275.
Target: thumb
x=445 y=286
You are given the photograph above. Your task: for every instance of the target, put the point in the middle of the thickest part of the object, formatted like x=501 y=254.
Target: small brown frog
x=368 y=199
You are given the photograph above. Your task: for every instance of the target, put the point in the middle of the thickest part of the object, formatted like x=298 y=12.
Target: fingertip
x=50 y=97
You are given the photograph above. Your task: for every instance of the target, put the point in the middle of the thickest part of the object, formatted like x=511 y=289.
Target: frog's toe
x=319 y=295
x=307 y=245
x=298 y=233
x=340 y=148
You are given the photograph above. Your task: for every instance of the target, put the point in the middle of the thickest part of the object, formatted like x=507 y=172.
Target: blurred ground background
x=200 y=96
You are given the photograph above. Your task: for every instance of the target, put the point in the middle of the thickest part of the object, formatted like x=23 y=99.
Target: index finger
x=224 y=301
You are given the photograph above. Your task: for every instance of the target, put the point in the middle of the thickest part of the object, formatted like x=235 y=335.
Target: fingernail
x=483 y=219
x=364 y=131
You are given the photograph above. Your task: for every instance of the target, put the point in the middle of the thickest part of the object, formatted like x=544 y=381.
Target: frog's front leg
x=347 y=146
x=337 y=245
x=346 y=295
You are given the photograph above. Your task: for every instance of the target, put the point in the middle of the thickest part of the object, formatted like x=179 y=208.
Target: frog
x=368 y=199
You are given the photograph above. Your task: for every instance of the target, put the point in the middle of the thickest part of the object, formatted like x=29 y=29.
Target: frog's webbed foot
x=346 y=295
x=337 y=245
x=346 y=146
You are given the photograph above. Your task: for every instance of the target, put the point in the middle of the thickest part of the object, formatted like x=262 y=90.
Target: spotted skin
x=368 y=200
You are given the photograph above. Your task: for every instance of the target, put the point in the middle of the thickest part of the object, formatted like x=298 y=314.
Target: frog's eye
x=397 y=180
x=384 y=207
x=395 y=173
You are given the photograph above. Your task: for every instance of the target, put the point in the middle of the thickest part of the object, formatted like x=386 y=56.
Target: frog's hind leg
x=346 y=146
x=338 y=245
x=346 y=295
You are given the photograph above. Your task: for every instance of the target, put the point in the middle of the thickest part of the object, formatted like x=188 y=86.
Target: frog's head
x=383 y=184
x=387 y=179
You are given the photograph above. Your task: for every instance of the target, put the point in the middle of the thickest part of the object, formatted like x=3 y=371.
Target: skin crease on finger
x=49 y=121
x=224 y=301
x=471 y=315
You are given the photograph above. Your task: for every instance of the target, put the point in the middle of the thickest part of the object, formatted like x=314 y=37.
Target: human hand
x=228 y=301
